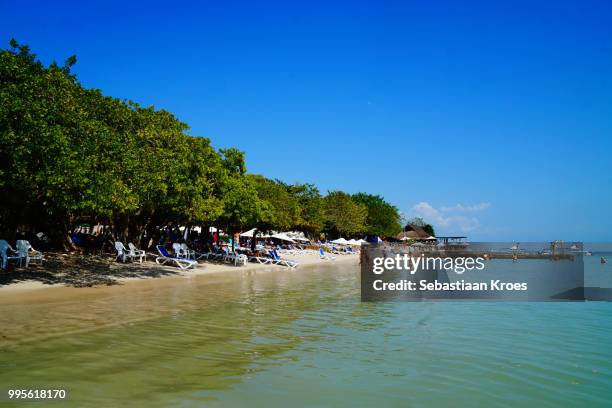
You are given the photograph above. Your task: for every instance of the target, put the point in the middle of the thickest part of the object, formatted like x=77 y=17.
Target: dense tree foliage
x=382 y=218
x=343 y=215
x=71 y=155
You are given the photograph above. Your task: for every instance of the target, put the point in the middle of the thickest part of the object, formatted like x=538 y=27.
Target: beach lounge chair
x=260 y=259
x=338 y=251
x=216 y=253
x=223 y=254
x=137 y=253
x=164 y=257
x=322 y=255
x=293 y=250
x=352 y=251
x=191 y=254
x=277 y=260
x=5 y=254
x=27 y=253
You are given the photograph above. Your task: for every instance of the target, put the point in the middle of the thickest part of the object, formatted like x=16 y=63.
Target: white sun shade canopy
x=283 y=237
x=249 y=234
x=340 y=241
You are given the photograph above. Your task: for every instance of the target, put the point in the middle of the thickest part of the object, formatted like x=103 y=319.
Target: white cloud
x=429 y=213
x=440 y=219
x=466 y=208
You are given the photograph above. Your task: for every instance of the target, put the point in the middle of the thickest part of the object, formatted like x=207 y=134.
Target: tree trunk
x=254 y=240
x=65 y=239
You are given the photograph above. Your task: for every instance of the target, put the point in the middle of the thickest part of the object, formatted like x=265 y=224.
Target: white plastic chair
x=27 y=252
x=178 y=251
x=122 y=252
x=137 y=253
x=164 y=257
x=4 y=253
x=189 y=253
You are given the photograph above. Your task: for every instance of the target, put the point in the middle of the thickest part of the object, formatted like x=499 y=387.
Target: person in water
x=603 y=260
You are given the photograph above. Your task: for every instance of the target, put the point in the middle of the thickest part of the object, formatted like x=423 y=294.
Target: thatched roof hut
x=413 y=232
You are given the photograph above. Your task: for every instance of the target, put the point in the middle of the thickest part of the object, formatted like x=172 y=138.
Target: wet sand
x=148 y=274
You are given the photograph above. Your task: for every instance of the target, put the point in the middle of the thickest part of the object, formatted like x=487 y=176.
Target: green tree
x=311 y=219
x=70 y=155
x=284 y=209
x=343 y=216
x=383 y=219
x=428 y=228
x=58 y=159
x=241 y=207
x=420 y=222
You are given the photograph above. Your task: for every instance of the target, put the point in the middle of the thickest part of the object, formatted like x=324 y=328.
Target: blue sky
x=491 y=119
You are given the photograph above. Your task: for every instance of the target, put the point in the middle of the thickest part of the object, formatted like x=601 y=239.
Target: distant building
x=412 y=232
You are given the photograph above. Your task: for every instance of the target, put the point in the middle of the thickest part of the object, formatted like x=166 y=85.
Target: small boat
x=588 y=253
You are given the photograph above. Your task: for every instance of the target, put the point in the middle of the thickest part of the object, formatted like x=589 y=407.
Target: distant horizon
x=492 y=124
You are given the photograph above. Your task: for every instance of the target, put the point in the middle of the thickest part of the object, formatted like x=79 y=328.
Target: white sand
x=36 y=290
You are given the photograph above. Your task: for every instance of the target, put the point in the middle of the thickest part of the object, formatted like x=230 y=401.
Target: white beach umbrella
x=283 y=236
x=248 y=234
x=340 y=241
x=297 y=235
x=430 y=238
x=353 y=241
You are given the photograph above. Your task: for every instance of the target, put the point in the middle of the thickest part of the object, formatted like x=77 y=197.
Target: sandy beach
x=120 y=277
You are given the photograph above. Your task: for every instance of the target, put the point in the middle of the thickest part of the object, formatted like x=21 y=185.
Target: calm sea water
x=303 y=338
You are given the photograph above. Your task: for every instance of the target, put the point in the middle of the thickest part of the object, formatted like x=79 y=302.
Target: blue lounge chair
x=260 y=259
x=165 y=257
x=277 y=260
x=326 y=257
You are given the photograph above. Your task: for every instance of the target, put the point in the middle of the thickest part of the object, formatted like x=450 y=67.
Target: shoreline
x=33 y=290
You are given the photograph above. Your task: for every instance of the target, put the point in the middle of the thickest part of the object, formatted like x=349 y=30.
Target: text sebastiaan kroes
x=459 y=265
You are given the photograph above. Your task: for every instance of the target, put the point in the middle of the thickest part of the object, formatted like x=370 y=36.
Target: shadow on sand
x=81 y=271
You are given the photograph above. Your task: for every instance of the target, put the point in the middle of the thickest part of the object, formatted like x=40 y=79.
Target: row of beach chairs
x=186 y=258
x=132 y=253
x=23 y=254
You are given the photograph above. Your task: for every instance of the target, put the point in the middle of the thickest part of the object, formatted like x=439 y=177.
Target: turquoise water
x=304 y=338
